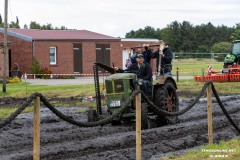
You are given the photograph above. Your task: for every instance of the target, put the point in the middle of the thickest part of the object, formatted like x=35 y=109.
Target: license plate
x=115 y=103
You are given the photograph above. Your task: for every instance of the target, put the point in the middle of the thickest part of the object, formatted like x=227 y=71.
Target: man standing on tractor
x=146 y=55
x=166 y=54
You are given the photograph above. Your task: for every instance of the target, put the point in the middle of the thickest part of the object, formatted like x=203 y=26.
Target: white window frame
x=55 y=59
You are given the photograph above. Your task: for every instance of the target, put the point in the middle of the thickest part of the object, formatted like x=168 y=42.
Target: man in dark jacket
x=142 y=69
x=144 y=72
x=166 y=55
x=146 y=54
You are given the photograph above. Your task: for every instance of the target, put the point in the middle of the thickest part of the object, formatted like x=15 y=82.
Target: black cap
x=139 y=55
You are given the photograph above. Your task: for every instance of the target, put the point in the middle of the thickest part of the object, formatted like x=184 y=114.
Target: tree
x=61 y=28
x=1 y=22
x=236 y=33
x=147 y=32
x=1 y=19
x=202 y=49
x=185 y=37
x=221 y=47
x=35 y=25
x=47 y=27
x=25 y=26
x=14 y=24
x=173 y=36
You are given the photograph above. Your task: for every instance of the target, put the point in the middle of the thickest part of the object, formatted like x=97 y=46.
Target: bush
x=15 y=80
x=45 y=71
x=221 y=47
x=1 y=81
x=35 y=68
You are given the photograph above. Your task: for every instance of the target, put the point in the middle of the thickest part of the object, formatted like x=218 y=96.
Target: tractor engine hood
x=121 y=76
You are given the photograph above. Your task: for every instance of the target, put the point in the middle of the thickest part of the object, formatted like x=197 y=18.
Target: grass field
x=225 y=150
x=24 y=89
x=191 y=67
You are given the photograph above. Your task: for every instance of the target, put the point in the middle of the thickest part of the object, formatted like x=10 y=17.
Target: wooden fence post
x=202 y=74
x=177 y=74
x=138 y=127
x=36 y=132
x=209 y=109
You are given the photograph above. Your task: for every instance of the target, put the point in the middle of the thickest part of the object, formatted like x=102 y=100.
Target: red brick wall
x=64 y=55
x=21 y=53
x=116 y=54
x=89 y=55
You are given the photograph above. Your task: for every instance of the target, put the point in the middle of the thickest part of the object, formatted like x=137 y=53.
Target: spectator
x=166 y=62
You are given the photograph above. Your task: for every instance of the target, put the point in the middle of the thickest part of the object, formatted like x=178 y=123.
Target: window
x=53 y=55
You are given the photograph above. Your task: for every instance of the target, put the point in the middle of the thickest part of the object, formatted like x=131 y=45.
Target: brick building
x=64 y=51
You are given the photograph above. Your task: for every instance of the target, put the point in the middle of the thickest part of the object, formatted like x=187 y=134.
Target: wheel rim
x=170 y=101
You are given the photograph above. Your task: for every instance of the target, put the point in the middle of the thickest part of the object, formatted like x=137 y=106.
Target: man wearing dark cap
x=142 y=69
x=144 y=72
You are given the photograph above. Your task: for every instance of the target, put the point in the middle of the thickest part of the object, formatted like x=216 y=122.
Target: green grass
x=224 y=150
x=190 y=67
x=24 y=89
x=192 y=88
x=4 y=112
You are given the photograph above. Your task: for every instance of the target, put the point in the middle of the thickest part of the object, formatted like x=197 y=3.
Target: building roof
x=36 y=34
x=139 y=40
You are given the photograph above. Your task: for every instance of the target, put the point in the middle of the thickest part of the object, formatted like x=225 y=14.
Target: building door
x=103 y=54
x=77 y=57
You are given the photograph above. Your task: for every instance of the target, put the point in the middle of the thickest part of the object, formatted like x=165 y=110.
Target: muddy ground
x=61 y=140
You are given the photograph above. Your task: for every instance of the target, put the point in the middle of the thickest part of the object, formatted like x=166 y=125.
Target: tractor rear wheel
x=166 y=98
x=144 y=117
x=172 y=102
x=159 y=100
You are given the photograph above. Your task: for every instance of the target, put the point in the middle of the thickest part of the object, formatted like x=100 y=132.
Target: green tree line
x=185 y=37
x=32 y=25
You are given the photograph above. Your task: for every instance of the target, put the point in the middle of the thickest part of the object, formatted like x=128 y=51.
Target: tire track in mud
x=60 y=140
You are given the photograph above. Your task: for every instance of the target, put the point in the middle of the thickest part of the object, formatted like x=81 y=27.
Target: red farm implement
x=230 y=74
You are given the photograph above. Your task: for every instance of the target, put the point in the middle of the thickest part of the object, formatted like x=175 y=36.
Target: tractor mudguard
x=160 y=80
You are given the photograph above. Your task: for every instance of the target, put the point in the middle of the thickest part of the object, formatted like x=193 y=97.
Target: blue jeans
x=147 y=88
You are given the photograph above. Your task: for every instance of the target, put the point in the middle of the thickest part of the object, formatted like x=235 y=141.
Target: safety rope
x=224 y=109
x=160 y=111
x=119 y=111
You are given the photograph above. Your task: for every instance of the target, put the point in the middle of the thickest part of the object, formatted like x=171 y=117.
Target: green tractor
x=236 y=47
x=233 y=57
x=120 y=86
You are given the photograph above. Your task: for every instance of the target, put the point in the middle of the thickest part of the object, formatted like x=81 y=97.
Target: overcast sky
x=117 y=17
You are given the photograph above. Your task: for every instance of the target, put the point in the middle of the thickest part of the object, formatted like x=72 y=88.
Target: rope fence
x=38 y=97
